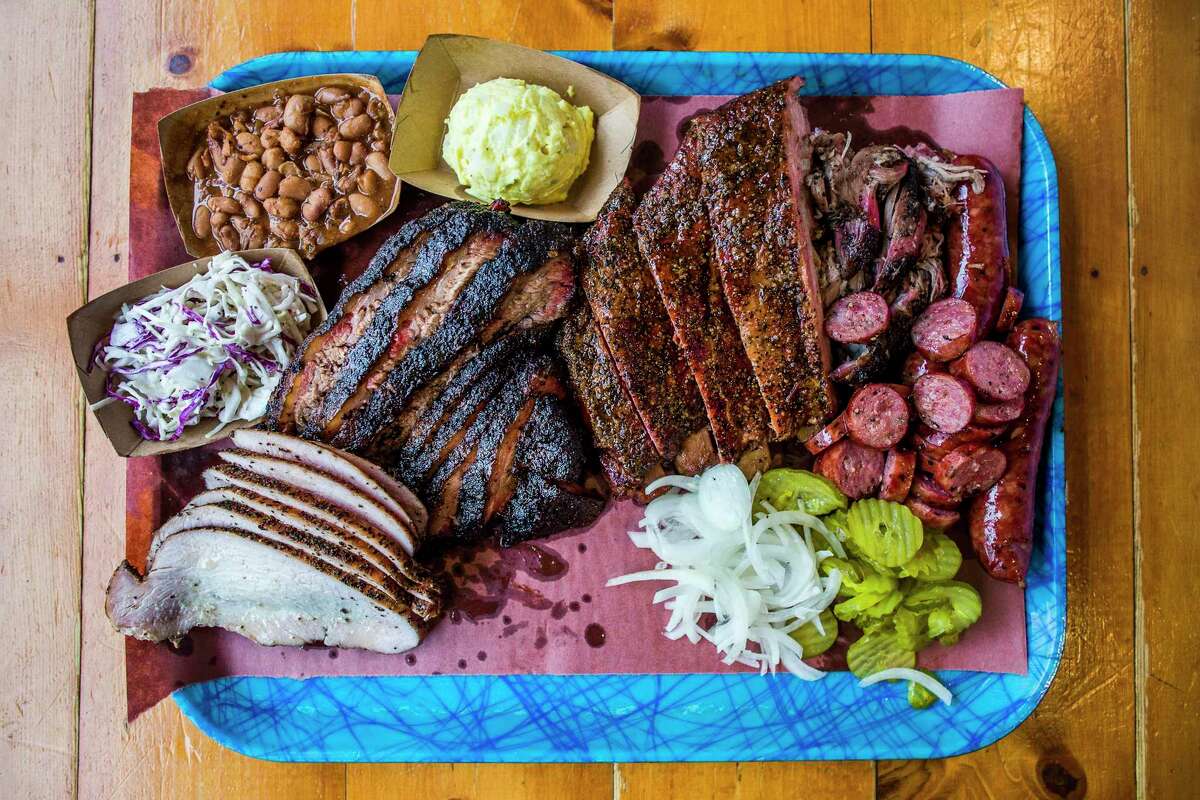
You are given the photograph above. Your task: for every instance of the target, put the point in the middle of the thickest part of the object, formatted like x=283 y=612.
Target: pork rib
x=633 y=324
x=673 y=235
x=626 y=452
x=762 y=244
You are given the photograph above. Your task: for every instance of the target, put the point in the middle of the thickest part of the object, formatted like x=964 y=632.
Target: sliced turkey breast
x=266 y=590
x=331 y=516
x=327 y=487
x=235 y=516
x=380 y=551
x=356 y=471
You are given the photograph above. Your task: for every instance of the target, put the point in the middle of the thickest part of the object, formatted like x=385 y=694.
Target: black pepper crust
x=534 y=244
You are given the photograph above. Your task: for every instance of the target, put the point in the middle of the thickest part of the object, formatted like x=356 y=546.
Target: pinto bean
x=378 y=163
x=288 y=230
x=312 y=163
x=347 y=225
x=297 y=111
x=323 y=127
x=355 y=127
x=363 y=206
x=316 y=203
x=328 y=95
x=348 y=182
x=289 y=169
x=340 y=209
x=268 y=185
x=273 y=157
x=281 y=207
x=341 y=150
x=269 y=138
x=368 y=182
x=358 y=153
x=256 y=238
x=250 y=176
x=228 y=237
x=267 y=113
x=348 y=108
x=328 y=160
x=201 y=223
x=289 y=141
x=224 y=204
x=249 y=144
x=251 y=207
x=218 y=219
x=197 y=166
x=295 y=187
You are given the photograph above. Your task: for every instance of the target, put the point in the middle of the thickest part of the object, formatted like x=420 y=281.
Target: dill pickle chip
x=937 y=560
x=791 y=489
x=951 y=606
x=885 y=532
x=919 y=697
x=813 y=641
x=865 y=610
x=878 y=650
x=911 y=628
x=858 y=577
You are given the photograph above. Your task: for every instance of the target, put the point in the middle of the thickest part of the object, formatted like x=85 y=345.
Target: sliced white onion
x=752 y=578
x=915 y=675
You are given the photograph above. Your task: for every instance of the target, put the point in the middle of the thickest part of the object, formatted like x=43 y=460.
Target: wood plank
x=698 y=25
x=1164 y=72
x=549 y=24
x=471 y=781
x=563 y=24
x=47 y=93
x=823 y=25
x=140 y=45
x=1066 y=54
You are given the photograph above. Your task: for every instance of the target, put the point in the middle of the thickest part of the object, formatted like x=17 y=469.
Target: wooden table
x=1115 y=87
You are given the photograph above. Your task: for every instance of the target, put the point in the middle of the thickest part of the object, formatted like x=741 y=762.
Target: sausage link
x=977 y=244
x=1001 y=518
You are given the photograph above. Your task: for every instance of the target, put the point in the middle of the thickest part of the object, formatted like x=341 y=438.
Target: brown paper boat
x=89 y=324
x=448 y=65
x=178 y=133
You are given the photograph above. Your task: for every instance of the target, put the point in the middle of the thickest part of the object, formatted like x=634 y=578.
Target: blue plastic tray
x=539 y=718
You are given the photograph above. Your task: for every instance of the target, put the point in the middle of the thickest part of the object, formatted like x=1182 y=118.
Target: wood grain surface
x=1114 y=85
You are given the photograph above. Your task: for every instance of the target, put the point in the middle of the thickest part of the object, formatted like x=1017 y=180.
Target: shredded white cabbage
x=741 y=583
x=214 y=347
x=915 y=675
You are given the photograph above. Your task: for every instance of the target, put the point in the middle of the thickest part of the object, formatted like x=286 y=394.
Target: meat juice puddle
x=486 y=579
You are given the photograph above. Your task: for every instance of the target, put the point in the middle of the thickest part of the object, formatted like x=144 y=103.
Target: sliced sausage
x=946 y=329
x=857 y=318
x=855 y=469
x=1001 y=519
x=903 y=389
x=944 y=402
x=977 y=244
x=877 y=416
x=995 y=370
x=898 y=469
x=917 y=365
x=925 y=489
x=1014 y=298
x=825 y=437
x=998 y=413
x=943 y=443
x=936 y=518
x=970 y=468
